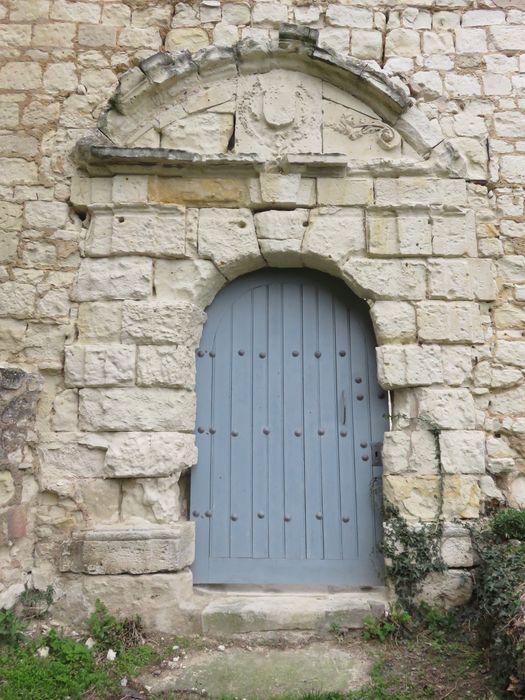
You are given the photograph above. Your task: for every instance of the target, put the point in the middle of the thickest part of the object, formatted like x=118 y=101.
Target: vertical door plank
x=241 y=428
x=293 y=424
x=312 y=448
x=261 y=436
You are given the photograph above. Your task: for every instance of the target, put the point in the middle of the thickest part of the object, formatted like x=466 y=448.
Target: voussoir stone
x=227 y=236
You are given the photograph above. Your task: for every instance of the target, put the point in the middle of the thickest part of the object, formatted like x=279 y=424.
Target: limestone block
x=279 y=189
x=457 y=364
x=394 y=321
x=489 y=491
x=415 y=191
x=7 y=488
x=409 y=365
x=206 y=132
x=407 y=233
x=417 y=497
x=136 y=408
x=335 y=39
x=508 y=38
x=61 y=77
x=129 y=189
x=474 y=154
x=17 y=299
x=402 y=42
x=386 y=279
x=64 y=415
x=367 y=44
x=133 y=455
x=39 y=214
x=20 y=75
x=451 y=409
x=99 y=322
x=279 y=253
x=511 y=352
x=449 y=322
x=66 y=458
x=509 y=402
x=99 y=365
x=161 y=322
x=343 y=16
x=269 y=14
x=454 y=235
x=281 y=225
x=10 y=216
x=186 y=38
x=462 y=451
x=16 y=171
x=516 y=492
x=461 y=496
x=54 y=304
x=507 y=123
x=165 y=599
x=456 y=548
x=447 y=589
x=509 y=316
x=496 y=377
x=130 y=550
x=414 y=451
x=166 y=365
x=227 y=236
x=344 y=191
x=462 y=279
x=151 y=500
x=200 y=191
x=154 y=231
x=278 y=112
x=116 y=278
x=512 y=168
x=237 y=13
x=333 y=234
x=192 y=281
x=511 y=268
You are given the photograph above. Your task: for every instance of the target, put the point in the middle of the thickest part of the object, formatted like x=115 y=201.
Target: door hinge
x=377 y=454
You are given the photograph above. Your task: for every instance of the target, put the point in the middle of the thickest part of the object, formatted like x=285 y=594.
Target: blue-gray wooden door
x=286 y=489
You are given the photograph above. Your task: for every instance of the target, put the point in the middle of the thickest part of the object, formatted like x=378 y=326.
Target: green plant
x=111 y=633
x=36 y=603
x=412 y=552
x=395 y=621
x=509 y=524
x=12 y=628
x=440 y=623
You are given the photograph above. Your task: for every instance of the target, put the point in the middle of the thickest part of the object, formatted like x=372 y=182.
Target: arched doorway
x=288 y=412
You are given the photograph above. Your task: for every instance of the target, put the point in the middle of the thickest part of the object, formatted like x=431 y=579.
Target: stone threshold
x=241 y=610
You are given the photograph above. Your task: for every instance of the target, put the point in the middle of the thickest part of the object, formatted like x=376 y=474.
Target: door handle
x=343 y=397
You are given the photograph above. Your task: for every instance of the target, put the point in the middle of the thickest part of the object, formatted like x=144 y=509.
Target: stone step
x=231 y=614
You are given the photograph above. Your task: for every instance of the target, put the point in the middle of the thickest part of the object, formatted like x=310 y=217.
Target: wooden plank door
x=288 y=413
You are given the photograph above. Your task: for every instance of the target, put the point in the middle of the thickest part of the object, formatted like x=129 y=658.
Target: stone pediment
x=270 y=101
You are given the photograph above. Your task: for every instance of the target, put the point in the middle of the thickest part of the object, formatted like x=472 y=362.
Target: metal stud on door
x=288 y=427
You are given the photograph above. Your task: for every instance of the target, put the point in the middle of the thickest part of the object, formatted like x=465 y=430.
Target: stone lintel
x=130 y=550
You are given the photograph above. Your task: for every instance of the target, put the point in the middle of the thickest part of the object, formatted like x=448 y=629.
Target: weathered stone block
x=462 y=451
x=344 y=191
x=386 y=279
x=457 y=364
x=447 y=589
x=192 y=281
x=45 y=214
x=333 y=234
x=419 y=191
x=227 y=236
x=151 y=500
x=281 y=225
x=99 y=322
x=511 y=352
x=136 y=409
x=394 y=321
x=119 y=278
x=451 y=409
x=449 y=322
x=280 y=189
x=166 y=365
x=461 y=496
x=417 y=497
x=17 y=299
x=130 y=551
x=161 y=323
x=133 y=455
x=7 y=488
x=394 y=234
x=95 y=365
x=509 y=402
x=409 y=365
x=456 y=548
x=454 y=235
x=462 y=279
x=414 y=451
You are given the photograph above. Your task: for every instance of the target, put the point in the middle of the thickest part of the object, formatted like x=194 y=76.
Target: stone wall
x=101 y=310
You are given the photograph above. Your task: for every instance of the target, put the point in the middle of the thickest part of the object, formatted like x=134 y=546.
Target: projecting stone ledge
x=129 y=550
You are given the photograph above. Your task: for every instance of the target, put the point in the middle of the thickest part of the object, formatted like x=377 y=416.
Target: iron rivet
x=241 y=352
x=200 y=353
x=343 y=433
x=381 y=395
x=262 y=355
x=317 y=354
x=260 y=515
x=266 y=431
x=364 y=458
x=287 y=518
x=212 y=354
x=346 y=519
x=297 y=433
x=195 y=513
x=320 y=431
x=360 y=397
x=233 y=517
x=364 y=444
x=208 y=513
x=295 y=353
x=234 y=433
x=319 y=516
x=200 y=429
x=358 y=380
x=342 y=353
x=212 y=431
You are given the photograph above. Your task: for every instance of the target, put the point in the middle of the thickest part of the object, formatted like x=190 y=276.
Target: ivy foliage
x=412 y=553
x=509 y=524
